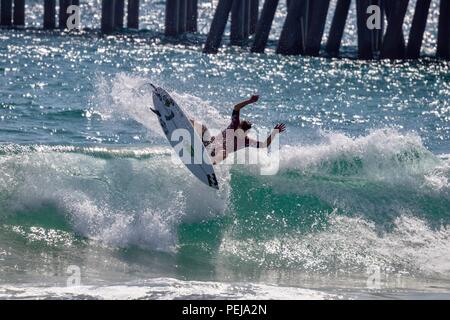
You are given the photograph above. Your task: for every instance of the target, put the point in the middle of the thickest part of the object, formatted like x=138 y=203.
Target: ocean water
x=360 y=206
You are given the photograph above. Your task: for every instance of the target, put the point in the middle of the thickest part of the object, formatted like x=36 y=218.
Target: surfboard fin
x=156 y=112
x=148 y=84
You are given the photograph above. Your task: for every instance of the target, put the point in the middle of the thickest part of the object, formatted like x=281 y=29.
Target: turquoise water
x=87 y=179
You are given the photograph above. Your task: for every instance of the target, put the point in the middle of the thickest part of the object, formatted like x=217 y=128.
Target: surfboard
x=172 y=117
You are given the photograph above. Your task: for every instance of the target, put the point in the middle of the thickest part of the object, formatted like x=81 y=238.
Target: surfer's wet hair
x=245 y=125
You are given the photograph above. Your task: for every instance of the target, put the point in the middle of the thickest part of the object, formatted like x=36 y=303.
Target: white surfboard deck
x=171 y=117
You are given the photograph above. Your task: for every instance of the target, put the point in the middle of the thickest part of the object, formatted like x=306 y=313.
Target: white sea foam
x=131 y=97
x=120 y=201
x=166 y=289
x=349 y=245
x=383 y=156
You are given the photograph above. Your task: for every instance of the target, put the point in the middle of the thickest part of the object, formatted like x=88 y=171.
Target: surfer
x=234 y=137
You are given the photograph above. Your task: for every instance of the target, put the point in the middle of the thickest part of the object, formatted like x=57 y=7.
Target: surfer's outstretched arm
x=241 y=105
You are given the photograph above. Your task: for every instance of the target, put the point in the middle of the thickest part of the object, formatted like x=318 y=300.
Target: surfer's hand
x=281 y=127
x=254 y=98
x=245 y=103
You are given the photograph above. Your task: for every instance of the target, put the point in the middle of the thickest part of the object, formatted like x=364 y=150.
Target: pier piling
x=218 y=26
x=133 y=14
x=108 y=14
x=378 y=34
x=19 y=13
x=192 y=16
x=365 y=39
x=417 y=29
x=49 y=14
x=171 y=18
x=394 y=40
x=254 y=15
x=337 y=27
x=63 y=15
x=119 y=13
x=392 y=7
x=247 y=18
x=6 y=13
x=443 y=42
x=264 y=25
x=239 y=22
x=318 y=11
x=294 y=29
x=182 y=16
x=77 y=3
